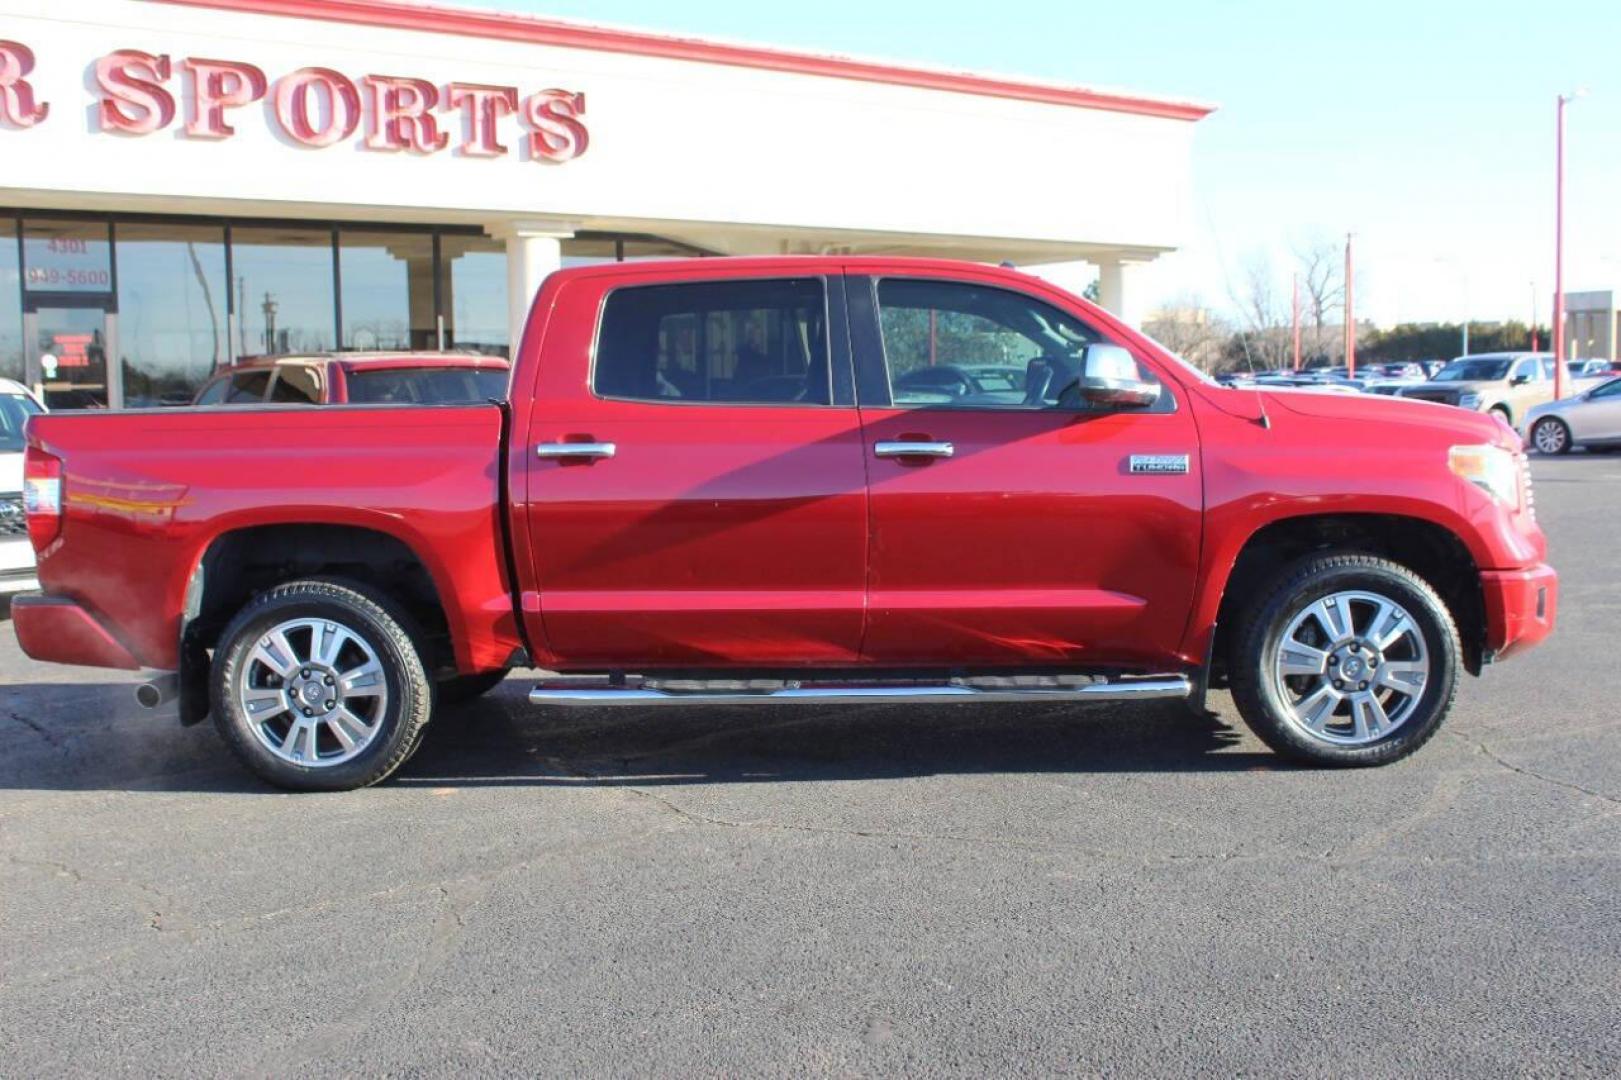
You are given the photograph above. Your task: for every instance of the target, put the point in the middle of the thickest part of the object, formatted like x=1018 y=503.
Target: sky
x=1426 y=128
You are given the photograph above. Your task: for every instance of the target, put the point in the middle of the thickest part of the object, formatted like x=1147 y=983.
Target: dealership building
x=188 y=182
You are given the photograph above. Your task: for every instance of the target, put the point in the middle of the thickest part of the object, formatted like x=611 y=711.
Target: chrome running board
x=574 y=693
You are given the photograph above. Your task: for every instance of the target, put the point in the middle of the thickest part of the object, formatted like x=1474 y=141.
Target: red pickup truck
x=714 y=482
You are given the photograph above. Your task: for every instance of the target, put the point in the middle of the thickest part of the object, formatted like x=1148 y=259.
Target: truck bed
x=148 y=493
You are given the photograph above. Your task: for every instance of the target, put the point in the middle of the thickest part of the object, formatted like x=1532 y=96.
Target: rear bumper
x=1520 y=608
x=58 y=630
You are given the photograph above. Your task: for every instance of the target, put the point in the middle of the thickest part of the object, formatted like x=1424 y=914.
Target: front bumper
x=58 y=630
x=1520 y=608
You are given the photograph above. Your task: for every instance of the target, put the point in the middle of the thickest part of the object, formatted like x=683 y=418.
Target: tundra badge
x=1159 y=463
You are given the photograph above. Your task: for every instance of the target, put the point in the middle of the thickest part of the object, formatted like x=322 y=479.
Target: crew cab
x=359 y=378
x=704 y=489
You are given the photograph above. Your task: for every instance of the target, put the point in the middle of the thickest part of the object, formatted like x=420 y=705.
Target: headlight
x=1490 y=468
x=1468 y=400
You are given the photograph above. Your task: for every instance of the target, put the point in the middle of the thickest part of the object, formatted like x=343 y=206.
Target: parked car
x=1506 y=384
x=1591 y=419
x=17 y=404
x=346 y=378
x=1408 y=371
x=1589 y=369
x=631 y=521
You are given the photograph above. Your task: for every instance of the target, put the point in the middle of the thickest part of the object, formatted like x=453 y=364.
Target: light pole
x=1559 y=247
x=1295 y=318
x=1533 y=316
x=1350 y=315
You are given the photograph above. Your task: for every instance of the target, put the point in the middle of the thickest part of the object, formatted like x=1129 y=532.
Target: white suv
x=16 y=553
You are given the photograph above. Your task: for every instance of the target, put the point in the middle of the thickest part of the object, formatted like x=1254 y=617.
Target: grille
x=13 y=522
x=1445 y=397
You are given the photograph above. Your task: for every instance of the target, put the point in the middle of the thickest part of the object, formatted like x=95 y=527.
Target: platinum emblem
x=1142 y=464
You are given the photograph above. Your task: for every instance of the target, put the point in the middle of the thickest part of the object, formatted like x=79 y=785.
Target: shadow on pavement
x=91 y=736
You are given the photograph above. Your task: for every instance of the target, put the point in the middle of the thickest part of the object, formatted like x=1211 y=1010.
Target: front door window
x=69 y=362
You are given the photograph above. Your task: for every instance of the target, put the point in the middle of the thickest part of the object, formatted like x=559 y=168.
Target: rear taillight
x=42 y=496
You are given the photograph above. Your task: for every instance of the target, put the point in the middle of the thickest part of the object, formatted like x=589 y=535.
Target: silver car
x=1591 y=418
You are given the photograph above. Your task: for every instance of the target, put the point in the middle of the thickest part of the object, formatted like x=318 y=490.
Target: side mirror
x=1519 y=380
x=1110 y=380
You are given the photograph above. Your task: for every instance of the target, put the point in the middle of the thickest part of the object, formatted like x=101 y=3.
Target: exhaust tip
x=150 y=695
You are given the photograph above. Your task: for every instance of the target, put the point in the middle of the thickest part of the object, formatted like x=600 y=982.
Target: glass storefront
x=172 y=304
x=473 y=287
x=284 y=289
x=109 y=311
x=11 y=315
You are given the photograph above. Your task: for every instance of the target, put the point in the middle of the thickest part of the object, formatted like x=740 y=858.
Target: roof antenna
x=1264 y=420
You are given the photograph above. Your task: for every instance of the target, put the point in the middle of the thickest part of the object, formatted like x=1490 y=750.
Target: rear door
x=694 y=485
x=1019 y=532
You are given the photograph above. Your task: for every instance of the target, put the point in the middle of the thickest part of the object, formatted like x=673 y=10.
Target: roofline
x=506 y=26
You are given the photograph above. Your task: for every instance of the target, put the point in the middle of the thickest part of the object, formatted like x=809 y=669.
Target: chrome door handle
x=914 y=449
x=592 y=450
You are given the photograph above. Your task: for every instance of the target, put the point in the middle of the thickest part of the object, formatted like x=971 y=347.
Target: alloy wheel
x=313 y=691
x=1351 y=668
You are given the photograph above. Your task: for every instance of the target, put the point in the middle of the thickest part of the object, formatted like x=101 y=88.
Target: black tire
x=386 y=629
x=464 y=688
x=1552 y=431
x=1259 y=694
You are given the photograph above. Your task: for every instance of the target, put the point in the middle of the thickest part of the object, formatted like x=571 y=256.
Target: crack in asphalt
x=157 y=918
x=1569 y=785
x=37 y=728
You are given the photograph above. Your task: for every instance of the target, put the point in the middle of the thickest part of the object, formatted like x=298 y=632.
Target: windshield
x=1473 y=371
x=15 y=409
x=427 y=386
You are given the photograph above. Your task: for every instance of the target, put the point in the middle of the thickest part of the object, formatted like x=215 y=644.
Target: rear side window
x=734 y=342
x=15 y=409
x=296 y=384
x=427 y=386
x=248 y=388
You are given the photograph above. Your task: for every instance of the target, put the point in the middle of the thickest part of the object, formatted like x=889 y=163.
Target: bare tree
x=1188 y=328
x=1263 y=335
x=1321 y=265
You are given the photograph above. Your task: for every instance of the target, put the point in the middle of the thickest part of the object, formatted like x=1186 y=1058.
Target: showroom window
x=473 y=286
x=11 y=312
x=387 y=289
x=173 y=328
x=283 y=290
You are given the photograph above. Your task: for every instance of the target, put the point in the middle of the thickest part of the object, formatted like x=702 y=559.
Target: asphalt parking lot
x=856 y=890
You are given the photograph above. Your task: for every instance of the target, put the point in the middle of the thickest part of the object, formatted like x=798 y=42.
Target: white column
x=534 y=250
x=1114 y=292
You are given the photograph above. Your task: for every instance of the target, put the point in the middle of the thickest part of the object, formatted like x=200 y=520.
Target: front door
x=700 y=500
x=1010 y=526
x=70 y=351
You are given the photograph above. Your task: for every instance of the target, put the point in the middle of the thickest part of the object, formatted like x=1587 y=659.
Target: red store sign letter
x=482 y=107
x=337 y=108
x=134 y=100
x=18 y=106
x=559 y=134
x=402 y=115
x=218 y=85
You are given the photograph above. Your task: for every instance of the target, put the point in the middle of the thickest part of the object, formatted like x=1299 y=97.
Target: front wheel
x=1350 y=660
x=1550 y=435
x=320 y=686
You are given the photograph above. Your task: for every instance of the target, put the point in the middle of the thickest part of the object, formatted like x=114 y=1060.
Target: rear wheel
x=320 y=686
x=1350 y=660
x=1551 y=435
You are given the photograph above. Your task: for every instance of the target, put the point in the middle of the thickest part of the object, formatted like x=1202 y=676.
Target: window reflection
x=387 y=281
x=473 y=277
x=11 y=313
x=172 y=310
x=283 y=287
x=67 y=257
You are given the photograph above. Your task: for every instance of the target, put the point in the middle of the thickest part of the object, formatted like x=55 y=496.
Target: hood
x=1468 y=426
x=11 y=471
